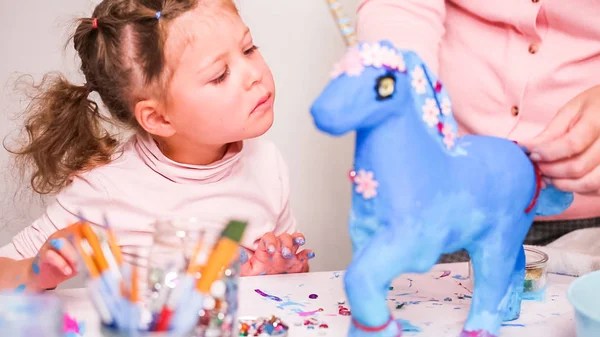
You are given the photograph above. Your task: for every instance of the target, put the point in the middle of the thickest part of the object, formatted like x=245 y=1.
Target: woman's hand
x=568 y=150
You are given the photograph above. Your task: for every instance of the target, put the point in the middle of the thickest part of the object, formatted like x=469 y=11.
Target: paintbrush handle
x=220 y=257
x=87 y=259
x=93 y=241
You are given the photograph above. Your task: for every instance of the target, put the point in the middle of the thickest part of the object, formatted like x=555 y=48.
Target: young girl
x=187 y=78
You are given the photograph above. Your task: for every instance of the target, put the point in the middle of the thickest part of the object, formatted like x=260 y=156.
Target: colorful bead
x=343 y=311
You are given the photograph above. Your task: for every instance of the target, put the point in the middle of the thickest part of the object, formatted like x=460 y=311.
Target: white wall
x=299 y=40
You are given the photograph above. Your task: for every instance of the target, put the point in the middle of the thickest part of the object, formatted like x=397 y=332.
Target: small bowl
x=584 y=295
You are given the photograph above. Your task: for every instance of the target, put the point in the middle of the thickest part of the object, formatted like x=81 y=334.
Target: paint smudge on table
x=538 y=295
x=460 y=277
x=271 y=297
x=514 y=325
x=287 y=302
x=309 y=313
x=444 y=274
x=407 y=326
x=465 y=288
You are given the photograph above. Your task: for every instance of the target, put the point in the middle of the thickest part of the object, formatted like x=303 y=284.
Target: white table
x=441 y=318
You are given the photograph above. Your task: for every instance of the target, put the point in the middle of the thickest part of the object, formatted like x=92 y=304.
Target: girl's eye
x=251 y=50
x=222 y=77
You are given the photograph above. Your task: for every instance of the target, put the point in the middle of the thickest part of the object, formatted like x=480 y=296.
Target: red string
x=372 y=329
x=95 y=23
x=538 y=188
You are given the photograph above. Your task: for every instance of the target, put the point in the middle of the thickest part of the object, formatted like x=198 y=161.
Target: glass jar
x=536 y=274
x=151 y=290
x=178 y=238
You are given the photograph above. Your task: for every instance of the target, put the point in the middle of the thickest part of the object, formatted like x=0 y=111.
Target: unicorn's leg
x=494 y=260
x=387 y=255
x=361 y=231
x=511 y=308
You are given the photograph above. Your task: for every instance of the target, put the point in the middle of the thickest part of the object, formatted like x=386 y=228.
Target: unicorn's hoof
x=391 y=329
x=478 y=333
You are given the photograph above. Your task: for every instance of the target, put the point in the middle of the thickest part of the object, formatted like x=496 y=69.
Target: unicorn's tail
x=552 y=201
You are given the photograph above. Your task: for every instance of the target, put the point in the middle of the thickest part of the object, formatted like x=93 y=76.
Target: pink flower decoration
x=349 y=64
x=446 y=106
x=366 y=184
x=418 y=80
x=389 y=58
x=431 y=112
x=354 y=66
x=449 y=136
x=371 y=55
x=401 y=66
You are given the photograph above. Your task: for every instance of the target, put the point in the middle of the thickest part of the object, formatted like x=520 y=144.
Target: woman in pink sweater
x=528 y=70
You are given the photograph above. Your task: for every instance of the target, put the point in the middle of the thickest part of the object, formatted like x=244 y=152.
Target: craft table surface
x=425 y=295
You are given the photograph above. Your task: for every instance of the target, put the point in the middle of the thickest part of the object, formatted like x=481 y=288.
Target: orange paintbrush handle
x=92 y=239
x=219 y=258
x=87 y=259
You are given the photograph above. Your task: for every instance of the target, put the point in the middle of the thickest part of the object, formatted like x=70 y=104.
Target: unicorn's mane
x=432 y=101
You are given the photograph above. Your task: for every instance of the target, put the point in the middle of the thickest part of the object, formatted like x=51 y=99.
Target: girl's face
x=220 y=90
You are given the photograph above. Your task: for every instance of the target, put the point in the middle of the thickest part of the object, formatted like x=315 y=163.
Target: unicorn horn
x=344 y=23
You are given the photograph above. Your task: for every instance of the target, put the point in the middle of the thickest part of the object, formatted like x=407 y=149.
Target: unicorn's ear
x=388 y=44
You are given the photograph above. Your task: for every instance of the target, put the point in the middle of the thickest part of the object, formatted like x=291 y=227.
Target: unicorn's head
x=376 y=81
x=369 y=85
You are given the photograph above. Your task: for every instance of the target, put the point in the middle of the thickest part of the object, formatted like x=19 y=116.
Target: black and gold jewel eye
x=385 y=87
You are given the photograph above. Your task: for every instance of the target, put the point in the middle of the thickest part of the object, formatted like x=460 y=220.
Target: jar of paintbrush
x=182 y=284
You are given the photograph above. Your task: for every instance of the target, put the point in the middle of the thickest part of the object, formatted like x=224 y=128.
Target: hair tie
x=95 y=23
x=158 y=14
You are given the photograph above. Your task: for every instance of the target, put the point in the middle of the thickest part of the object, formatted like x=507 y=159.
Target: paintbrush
x=132 y=325
x=111 y=283
x=186 y=315
x=184 y=286
x=114 y=257
x=93 y=282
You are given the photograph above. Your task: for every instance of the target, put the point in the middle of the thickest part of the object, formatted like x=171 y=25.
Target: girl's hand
x=568 y=150
x=277 y=255
x=55 y=263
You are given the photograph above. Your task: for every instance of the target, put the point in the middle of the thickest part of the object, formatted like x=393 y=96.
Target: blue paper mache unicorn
x=421 y=191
